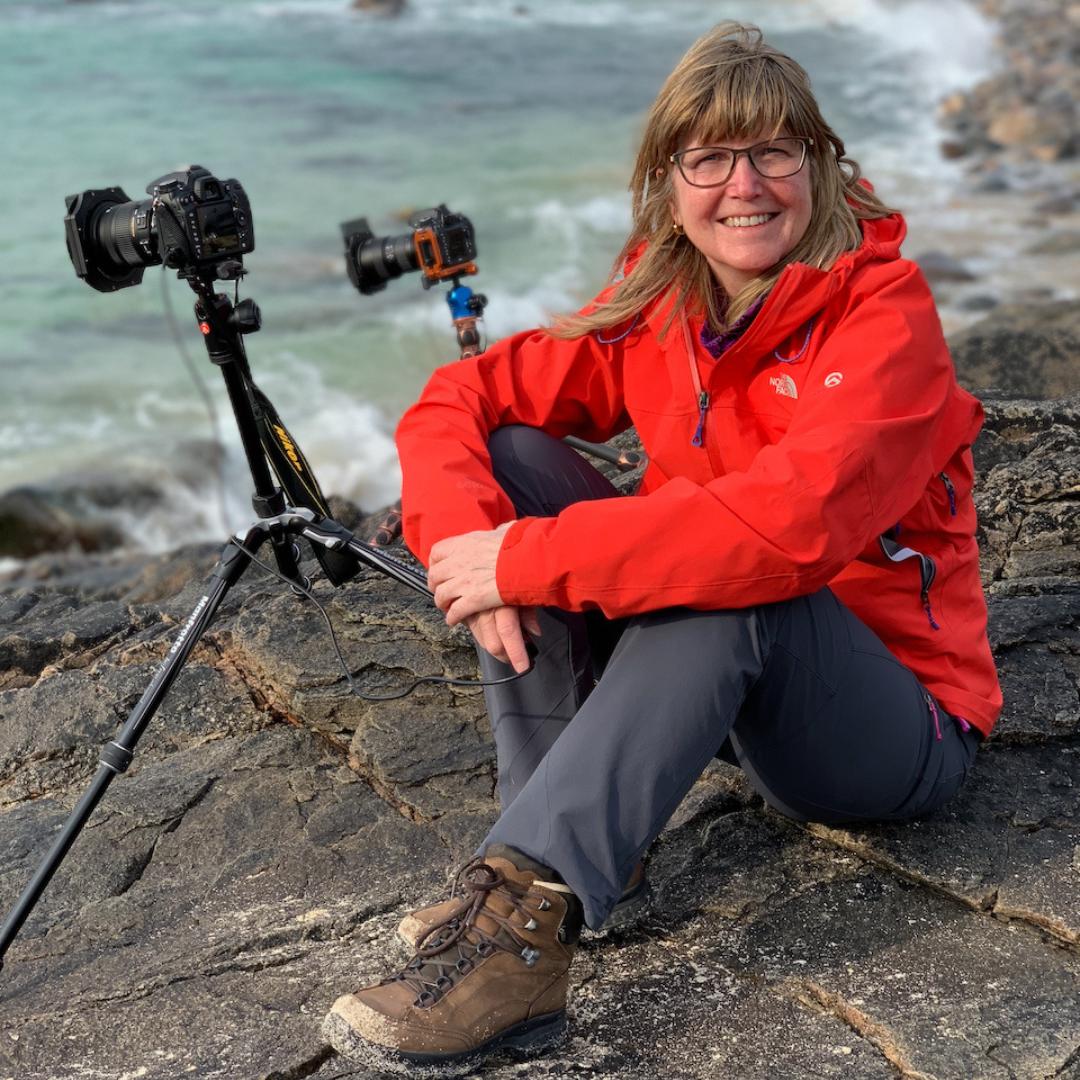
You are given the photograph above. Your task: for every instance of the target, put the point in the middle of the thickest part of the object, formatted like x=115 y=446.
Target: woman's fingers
x=482 y=626
x=444 y=596
x=464 y=606
x=498 y=632
x=508 y=624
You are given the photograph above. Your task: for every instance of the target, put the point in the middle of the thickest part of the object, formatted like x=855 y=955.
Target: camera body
x=192 y=222
x=441 y=244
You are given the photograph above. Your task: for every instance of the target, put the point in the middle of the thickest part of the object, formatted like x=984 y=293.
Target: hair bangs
x=730 y=87
x=746 y=100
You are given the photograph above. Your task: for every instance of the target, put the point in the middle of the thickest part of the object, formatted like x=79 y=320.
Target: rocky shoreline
x=1010 y=234
x=1030 y=110
x=254 y=860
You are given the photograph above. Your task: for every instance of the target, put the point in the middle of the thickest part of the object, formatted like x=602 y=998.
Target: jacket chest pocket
x=772 y=398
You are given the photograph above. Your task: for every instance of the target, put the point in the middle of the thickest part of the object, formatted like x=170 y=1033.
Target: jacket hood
x=885 y=235
x=802 y=291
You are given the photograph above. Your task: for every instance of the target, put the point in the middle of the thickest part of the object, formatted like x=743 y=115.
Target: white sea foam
x=953 y=28
x=205 y=494
x=352 y=452
x=563 y=221
x=694 y=15
x=952 y=39
x=347 y=442
x=953 y=31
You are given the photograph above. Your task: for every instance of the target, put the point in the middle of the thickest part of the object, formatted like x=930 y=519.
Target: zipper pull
x=703 y=406
x=950 y=491
x=934 y=714
x=929 y=611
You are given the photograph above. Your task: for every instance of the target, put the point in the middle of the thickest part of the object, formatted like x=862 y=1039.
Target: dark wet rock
x=992 y=182
x=1022 y=350
x=1056 y=204
x=380 y=7
x=1066 y=242
x=32 y=523
x=939 y=268
x=71 y=513
x=1035 y=294
x=254 y=860
x=979 y=302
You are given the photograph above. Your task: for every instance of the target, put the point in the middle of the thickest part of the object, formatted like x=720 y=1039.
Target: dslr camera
x=193 y=222
x=440 y=243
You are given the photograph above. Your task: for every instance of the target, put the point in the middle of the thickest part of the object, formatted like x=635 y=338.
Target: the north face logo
x=784 y=385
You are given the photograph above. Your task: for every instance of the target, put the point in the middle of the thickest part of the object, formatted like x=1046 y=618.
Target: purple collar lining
x=718 y=342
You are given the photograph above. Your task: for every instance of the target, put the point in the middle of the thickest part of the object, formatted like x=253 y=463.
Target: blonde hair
x=730 y=85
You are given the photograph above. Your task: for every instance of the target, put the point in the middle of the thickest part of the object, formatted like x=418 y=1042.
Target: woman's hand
x=461 y=574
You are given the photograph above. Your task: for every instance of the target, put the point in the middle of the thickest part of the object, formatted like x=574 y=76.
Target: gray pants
x=599 y=743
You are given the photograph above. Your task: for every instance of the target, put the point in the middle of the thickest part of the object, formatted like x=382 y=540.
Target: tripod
x=265 y=440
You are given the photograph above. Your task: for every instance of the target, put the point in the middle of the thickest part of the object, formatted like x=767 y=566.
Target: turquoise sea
x=522 y=115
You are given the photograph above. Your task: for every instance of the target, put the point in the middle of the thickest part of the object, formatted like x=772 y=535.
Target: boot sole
x=525 y=1040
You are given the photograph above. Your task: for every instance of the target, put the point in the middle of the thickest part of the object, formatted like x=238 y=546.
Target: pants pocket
x=948 y=764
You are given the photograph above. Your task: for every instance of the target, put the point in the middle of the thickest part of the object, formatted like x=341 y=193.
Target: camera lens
x=383 y=258
x=110 y=238
x=123 y=233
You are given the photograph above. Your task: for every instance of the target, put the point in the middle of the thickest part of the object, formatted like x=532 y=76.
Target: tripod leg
x=117 y=754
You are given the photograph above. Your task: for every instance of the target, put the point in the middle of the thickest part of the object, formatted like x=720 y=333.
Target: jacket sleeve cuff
x=518 y=574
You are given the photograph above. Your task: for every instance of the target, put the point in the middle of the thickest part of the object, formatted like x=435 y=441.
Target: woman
x=796 y=584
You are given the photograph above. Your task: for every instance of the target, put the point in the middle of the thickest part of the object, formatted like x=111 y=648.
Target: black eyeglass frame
x=804 y=140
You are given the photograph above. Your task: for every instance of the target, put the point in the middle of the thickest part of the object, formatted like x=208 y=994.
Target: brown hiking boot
x=491 y=977
x=632 y=907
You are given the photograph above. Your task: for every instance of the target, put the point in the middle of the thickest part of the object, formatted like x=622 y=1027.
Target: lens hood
x=88 y=256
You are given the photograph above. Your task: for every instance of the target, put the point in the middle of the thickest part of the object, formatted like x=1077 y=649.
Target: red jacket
x=835 y=451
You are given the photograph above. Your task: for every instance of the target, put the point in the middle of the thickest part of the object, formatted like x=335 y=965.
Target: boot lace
x=451 y=949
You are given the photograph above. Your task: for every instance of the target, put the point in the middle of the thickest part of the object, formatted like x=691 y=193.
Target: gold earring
x=677 y=228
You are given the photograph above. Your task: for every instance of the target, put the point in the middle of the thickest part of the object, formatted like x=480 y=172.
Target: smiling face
x=749 y=223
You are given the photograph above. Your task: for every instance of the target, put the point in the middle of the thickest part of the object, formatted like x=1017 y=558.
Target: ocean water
x=522 y=115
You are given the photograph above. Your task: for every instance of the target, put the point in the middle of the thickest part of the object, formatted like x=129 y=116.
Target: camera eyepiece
x=192 y=222
x=441 y=243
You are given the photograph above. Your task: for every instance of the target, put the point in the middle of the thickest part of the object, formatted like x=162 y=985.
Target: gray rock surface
x=253 y=862
x=1022 y=350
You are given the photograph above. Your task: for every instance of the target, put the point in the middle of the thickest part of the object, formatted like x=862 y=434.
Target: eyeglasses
x=709 y=166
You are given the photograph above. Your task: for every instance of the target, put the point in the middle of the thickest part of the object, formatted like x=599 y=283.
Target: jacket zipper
x=698 y=438
x=929 y=572
x=894 y=552
x=703 y=408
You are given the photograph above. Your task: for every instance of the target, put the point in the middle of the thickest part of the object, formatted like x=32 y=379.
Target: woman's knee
x=519 y=444
x=541 y=474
